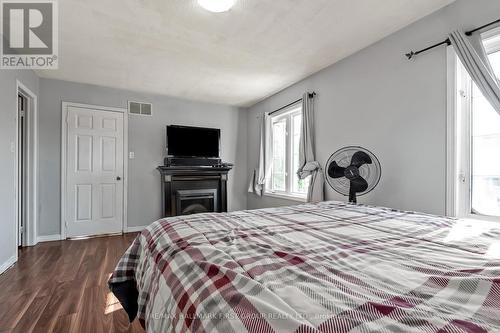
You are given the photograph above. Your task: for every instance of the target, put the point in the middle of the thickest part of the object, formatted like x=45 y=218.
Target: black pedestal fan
x=353 y=171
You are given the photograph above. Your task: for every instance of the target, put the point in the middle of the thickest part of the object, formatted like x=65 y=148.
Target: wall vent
x=144 y=109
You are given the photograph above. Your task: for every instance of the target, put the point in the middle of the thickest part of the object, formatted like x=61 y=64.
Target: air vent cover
x=145 y=109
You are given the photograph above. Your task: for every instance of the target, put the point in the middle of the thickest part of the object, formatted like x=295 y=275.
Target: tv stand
x=191 y=161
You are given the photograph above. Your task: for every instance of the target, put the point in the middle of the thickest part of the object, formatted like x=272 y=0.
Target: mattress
x=325 y=267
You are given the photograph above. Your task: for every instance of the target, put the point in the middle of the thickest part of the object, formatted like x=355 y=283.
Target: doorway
x=26 y=166
x=22 y=109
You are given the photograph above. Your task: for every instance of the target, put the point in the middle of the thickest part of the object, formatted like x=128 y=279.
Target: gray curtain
x=474 y=58
x=308 y=166
x=477 y=43
x=258 y=177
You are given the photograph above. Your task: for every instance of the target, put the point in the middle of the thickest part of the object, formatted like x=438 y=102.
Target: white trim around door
x=64 y=141
x=31 y=179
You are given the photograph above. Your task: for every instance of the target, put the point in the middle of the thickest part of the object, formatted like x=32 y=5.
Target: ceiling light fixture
x=217 y=6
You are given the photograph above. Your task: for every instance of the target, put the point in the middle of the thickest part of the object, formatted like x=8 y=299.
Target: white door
x=94 y=172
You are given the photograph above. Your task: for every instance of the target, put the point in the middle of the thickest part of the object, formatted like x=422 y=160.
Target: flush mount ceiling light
x=217 y=6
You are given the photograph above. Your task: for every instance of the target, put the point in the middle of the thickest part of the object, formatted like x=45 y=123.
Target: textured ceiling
x=173 y=47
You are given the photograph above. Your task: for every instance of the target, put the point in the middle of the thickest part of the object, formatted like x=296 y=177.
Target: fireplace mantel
x=193 y=189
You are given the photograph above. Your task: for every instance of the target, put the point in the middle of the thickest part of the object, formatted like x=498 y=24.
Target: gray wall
x=8 y=109
x=396 y=108
x=374 y=98
x=146 y=139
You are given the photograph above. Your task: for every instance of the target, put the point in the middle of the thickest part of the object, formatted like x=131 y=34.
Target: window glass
x=485 y=162
x=279 y=156
x=298 y=185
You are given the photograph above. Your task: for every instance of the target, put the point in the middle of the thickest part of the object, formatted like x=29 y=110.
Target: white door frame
x=31 y=125
x=64 y=142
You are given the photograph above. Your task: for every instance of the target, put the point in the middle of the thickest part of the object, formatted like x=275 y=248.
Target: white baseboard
x=6 y=265
x=135 y=229
x=48 y=238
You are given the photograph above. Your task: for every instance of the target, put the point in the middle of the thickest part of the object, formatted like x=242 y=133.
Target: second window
x=285 y=141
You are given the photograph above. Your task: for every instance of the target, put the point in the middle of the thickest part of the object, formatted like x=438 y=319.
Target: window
x=285 y=139
x=474 y=168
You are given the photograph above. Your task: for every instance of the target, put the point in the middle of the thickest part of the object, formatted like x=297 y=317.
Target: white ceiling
x=173 y=47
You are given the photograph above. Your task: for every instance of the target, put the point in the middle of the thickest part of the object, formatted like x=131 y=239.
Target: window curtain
x=258 y=177
x=475 y=60
x=308 y=166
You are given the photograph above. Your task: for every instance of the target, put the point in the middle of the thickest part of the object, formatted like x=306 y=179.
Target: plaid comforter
x=326 y=267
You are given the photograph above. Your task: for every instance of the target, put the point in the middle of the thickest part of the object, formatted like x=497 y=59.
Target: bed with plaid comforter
x=326 y=267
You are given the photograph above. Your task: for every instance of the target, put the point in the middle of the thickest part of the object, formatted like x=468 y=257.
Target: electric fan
x=353 y=171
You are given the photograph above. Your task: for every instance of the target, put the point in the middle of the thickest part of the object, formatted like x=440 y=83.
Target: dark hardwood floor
x=61 y=287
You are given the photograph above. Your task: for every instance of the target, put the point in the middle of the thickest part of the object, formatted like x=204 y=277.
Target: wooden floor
x=61 y=287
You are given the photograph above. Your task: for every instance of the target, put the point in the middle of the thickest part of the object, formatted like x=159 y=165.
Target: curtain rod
x=311 y=95
x=447 y=41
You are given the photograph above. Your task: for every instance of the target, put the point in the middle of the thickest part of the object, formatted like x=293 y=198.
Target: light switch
x=131 y=155
x=12 y=147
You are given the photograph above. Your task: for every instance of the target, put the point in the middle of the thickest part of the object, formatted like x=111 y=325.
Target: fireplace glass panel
x=195 y=206
x=196 y=201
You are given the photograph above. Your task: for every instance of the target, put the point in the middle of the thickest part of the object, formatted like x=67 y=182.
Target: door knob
x=118 y=178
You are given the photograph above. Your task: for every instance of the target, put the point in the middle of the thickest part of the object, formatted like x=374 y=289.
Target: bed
x=325 y=267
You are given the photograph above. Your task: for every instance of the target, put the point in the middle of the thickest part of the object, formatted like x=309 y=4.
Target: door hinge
x=23 y=113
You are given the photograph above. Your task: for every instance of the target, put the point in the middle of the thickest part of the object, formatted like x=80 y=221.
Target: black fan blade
x=359 y=158
x=335 y=171
x=359 y=184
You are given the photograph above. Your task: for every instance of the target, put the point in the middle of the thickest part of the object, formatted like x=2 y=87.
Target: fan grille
x=370 y=172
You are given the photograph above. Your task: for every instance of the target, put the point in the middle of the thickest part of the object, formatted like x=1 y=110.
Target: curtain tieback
x=308 y=169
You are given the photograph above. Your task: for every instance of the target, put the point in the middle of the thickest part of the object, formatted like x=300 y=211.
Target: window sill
x=480 y=218
x=286 y=196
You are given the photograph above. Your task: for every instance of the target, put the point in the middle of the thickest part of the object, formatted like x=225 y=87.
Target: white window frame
x=459 y=150
x=287 y=114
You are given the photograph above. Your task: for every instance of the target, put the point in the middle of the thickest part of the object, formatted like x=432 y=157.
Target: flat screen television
x=187 y=141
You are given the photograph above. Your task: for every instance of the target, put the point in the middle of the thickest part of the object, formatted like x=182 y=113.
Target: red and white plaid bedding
x=326 y=267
